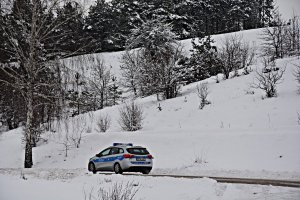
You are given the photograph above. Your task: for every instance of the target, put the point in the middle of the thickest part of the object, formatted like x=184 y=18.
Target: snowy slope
x=239 y=135
x=112 y=60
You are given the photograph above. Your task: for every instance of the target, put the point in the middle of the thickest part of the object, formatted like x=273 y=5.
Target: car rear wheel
x=92 y=168
x=146 y=171
x=118 y=169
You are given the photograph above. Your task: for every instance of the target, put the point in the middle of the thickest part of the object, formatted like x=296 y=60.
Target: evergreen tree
x=159 y=54
x=125 y=18
x=203 y=62
x=100 y=26
x=114 y=92
x=4 y=51
x=70 y=38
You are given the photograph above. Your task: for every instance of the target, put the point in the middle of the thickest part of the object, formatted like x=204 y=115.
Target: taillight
x=150 y=156
x=128 y=156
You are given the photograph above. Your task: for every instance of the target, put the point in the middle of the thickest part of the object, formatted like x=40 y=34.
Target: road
x=253 y=181
x=72 y=173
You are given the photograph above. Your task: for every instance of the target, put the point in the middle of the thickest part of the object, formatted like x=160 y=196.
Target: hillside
x=238 y=134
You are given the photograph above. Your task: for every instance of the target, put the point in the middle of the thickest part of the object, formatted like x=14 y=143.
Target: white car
x=122 y=158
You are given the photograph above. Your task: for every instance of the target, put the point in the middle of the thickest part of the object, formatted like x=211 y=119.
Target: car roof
x=126 y=146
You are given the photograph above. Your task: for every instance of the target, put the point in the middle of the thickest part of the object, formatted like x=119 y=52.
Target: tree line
x=107 y=24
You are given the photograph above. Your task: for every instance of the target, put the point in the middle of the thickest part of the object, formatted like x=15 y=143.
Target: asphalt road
x=253 y=181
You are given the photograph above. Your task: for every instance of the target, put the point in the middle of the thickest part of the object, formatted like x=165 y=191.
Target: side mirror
x=97 y=155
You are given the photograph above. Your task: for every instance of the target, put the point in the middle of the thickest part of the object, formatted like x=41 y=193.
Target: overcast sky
x=287 y=7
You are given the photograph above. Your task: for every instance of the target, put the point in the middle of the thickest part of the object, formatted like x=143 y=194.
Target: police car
x=122 y=158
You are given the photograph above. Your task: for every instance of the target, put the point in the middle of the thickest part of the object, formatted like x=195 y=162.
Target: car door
x=111 y=159
x=102 y=159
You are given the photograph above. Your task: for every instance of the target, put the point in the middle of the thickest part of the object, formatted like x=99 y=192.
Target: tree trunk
x=102 y=100
x=29 y=131
x=28 y=155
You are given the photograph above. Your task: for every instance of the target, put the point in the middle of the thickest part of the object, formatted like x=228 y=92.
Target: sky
x=287 y=7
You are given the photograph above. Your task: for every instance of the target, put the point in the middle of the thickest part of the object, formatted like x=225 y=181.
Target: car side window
x=121 y=150
x=114 y=151
x=106 y=152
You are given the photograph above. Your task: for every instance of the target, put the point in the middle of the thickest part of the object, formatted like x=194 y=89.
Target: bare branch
x=268 y=78
x=202 y=92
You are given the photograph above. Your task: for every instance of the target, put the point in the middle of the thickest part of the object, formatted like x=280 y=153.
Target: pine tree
x=203 y=62
x=114 y=92
x=100 y=26
x=126 y=16
x=159 y=54
x=70 y=37
x=4 y=51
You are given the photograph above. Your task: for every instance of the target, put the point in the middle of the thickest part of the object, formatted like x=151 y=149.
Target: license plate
x=140 y=159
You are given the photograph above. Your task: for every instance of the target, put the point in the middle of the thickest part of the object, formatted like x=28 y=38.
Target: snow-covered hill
x=238 y=131
x=238 y=134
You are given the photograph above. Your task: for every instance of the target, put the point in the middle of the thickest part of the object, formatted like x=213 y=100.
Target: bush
x=202 y=92
x=115 y=192
x=131 y=117
x=103 y=123
x=269 y=78
x=235 y=54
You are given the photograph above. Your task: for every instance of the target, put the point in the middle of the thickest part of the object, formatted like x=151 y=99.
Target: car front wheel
x=118 y=169
x=92 y=168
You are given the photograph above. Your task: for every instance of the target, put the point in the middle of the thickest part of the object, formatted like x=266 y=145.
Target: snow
x=147 y=188
x=239 y=135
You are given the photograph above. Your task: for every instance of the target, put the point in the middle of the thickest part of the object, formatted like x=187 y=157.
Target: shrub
x=131 y=116
x=269 y=78
x=115 y=192
x=202 y=92
x=103 y=123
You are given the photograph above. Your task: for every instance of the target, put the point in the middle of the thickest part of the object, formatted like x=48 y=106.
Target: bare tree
x=131 y=116
x=247 y=57
x=66 y=144
x=202 y=92
x=103 y=123
x=274 y=39
x=292 y=36
x=131 y=62
x=99 y=81
x=297 y=76
x=78 y=126
x=230 y=55
x=170 y=76
x=31 y=59
x=269 y=78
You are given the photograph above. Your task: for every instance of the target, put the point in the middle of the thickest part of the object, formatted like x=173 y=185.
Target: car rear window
x=138 y=151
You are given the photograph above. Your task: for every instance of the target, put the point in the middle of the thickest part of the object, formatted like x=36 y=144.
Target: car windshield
x=138 y=151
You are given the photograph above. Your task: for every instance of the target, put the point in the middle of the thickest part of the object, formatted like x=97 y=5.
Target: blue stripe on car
x=108 y=159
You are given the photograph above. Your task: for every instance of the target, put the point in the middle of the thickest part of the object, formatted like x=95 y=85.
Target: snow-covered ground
x=239 y=134
x=147 y=188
